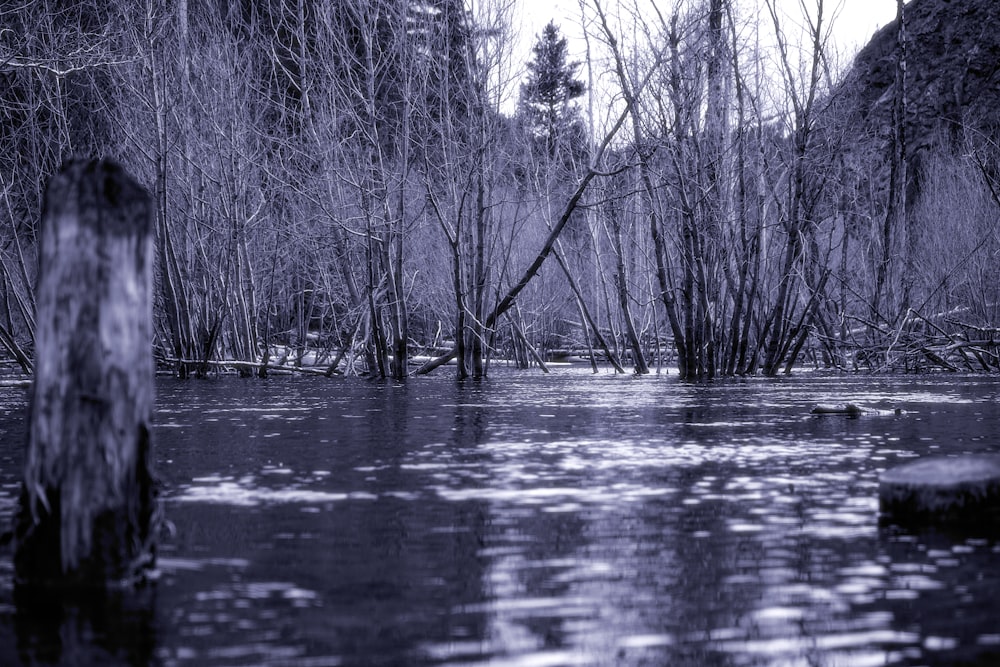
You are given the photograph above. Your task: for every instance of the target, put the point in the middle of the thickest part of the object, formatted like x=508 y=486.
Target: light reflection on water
x=562 y=520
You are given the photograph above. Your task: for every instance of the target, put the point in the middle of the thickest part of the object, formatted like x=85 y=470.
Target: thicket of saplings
x=378 y=187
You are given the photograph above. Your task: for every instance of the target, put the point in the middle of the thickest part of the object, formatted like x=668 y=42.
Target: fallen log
x=88 y=510
x=852 y=410
x=236 y=364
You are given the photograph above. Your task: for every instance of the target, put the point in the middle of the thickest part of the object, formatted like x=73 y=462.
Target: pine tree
x=548 y=93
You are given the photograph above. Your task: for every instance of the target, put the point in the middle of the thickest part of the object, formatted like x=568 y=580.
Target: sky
x=856 y=22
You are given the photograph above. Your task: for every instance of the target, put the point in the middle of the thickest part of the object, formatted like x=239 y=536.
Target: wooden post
x=88 y=509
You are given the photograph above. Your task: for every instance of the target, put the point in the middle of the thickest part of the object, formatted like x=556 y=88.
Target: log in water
x=961 y=491
x=88 y=504
x=852 y=410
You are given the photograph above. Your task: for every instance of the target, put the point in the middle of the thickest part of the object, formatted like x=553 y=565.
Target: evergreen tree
x=547 y=95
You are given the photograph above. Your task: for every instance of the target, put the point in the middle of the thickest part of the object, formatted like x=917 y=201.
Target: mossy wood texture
x=88 y=508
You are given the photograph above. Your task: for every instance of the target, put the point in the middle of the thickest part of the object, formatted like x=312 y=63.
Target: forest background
x=343 y=186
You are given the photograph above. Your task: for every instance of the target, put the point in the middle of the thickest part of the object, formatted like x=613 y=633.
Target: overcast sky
x=856 y=22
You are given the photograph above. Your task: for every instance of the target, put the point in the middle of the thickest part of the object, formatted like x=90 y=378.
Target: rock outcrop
x=952 y=74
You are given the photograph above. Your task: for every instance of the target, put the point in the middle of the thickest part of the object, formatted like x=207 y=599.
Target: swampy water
x=538 y=521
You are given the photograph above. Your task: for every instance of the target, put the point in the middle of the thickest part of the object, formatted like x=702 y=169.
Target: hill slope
x=952 y=73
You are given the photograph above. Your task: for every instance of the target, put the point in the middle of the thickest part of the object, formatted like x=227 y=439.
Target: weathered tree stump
x=88 y=509
x=959 y=492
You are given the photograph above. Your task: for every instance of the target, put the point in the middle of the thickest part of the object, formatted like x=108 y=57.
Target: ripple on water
x=252 y=490
x=609 y=520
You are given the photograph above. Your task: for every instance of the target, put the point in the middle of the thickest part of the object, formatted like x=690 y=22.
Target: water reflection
x=84 y=627
x=585 y=520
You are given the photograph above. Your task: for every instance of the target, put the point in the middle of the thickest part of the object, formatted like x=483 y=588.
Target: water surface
x=535 y=521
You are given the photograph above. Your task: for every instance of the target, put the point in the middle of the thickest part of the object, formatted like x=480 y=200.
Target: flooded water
x=536 y=521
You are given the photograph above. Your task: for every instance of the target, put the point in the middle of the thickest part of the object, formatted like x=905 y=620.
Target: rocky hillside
x=952 y=74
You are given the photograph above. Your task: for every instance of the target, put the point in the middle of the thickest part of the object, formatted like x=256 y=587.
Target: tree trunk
x=622 y=289
x=88 y=511
x=508 y=300
x=587 y=318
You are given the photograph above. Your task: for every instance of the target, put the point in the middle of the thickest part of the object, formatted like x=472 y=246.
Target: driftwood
x=852 y=410
x=88 y=512
x=922 y=343
x=255 y=366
